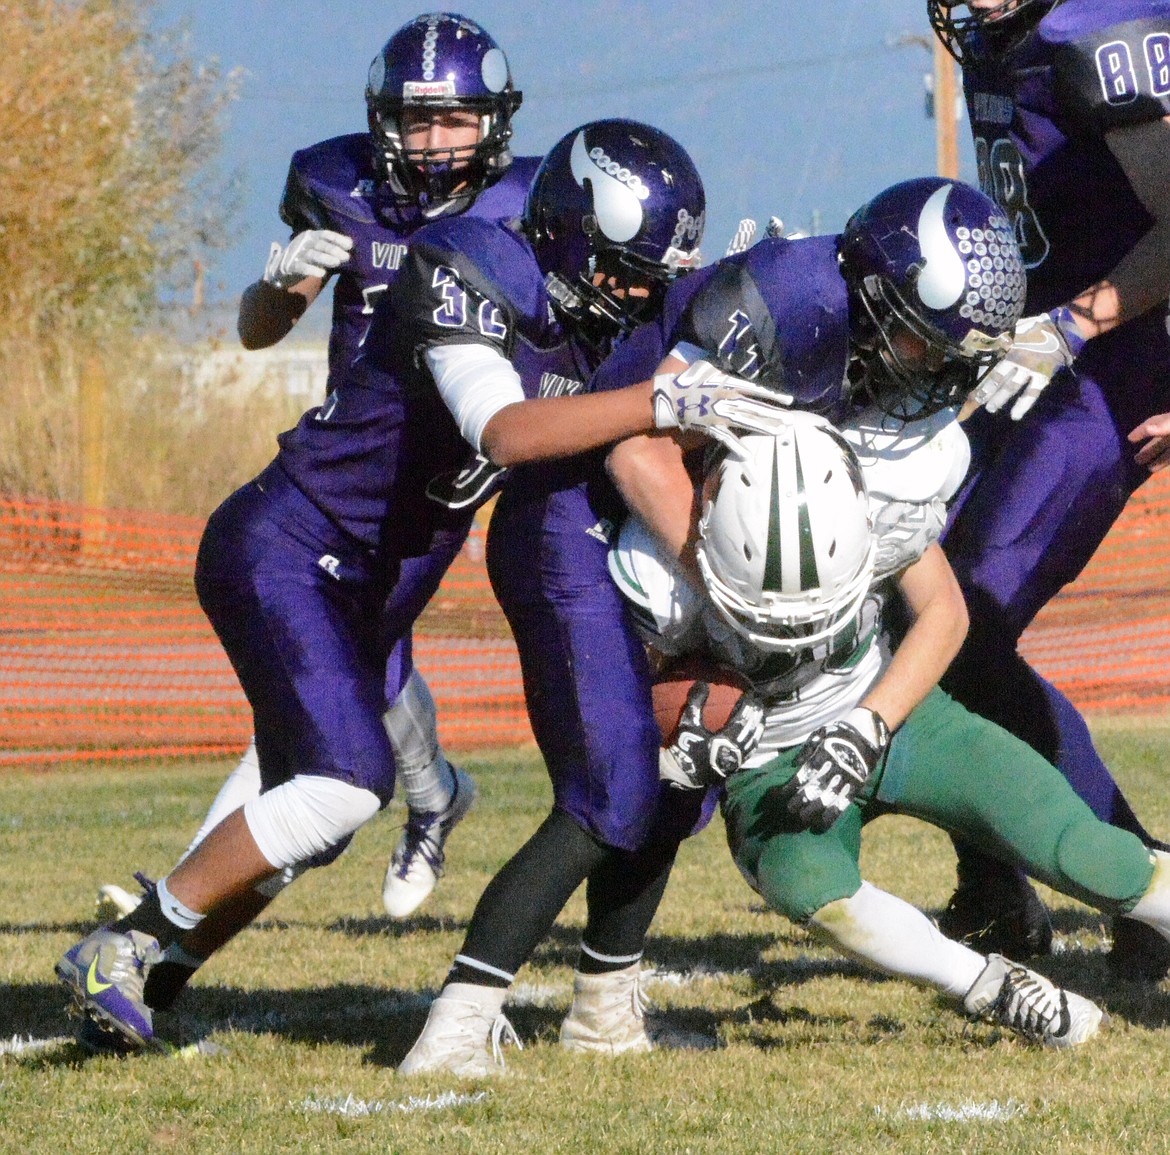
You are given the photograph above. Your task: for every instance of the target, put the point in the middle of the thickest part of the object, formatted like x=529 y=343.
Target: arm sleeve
x=475 y=382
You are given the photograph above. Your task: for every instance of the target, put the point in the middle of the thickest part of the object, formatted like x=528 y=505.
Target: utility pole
x=942 y=102
x=197 y=287
x=946 y=113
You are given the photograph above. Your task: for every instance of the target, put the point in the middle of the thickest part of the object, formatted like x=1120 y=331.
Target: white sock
x=174 y=910
x=428 y=782
x=879 y=929
x=1153 y=908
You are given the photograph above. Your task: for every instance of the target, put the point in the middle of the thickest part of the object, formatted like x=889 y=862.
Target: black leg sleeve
x=520 y=905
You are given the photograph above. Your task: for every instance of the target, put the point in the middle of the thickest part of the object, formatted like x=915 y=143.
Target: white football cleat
x=608 y=1017
x=113 y=903
x=417 y=863
x=1029 y=1004
x=464 y=1034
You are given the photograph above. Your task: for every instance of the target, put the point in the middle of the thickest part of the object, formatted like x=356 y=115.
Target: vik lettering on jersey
x=367 y=456
x=1040 y=115
x=331 y=185
x=777 y=313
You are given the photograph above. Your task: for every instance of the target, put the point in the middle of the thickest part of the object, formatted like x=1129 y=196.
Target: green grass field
x=312 y=1008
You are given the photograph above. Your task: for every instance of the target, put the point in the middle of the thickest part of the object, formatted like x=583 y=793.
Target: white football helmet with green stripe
x=785 y=543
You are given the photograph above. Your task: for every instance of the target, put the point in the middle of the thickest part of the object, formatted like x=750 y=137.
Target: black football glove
x=833 y=765
x=698 y=757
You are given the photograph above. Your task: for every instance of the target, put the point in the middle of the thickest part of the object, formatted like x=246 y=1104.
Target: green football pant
x=957 y=771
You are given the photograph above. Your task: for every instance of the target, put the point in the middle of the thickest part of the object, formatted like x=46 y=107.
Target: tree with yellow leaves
x=109 y=133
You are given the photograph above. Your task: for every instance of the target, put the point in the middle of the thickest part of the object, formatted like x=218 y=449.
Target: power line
x=332 y=94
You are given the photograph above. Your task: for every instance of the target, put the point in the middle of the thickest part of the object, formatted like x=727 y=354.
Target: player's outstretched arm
x=650 y=473
x=546 y=427
x=1141 y=278
x=1049 y=342
x=836 y=760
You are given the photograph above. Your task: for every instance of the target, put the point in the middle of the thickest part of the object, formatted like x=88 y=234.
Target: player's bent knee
x=1105 y=865
x=799 y=893
x=835 y=922
x=307 y=817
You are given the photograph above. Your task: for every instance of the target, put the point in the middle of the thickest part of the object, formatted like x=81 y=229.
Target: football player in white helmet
x=784 y=541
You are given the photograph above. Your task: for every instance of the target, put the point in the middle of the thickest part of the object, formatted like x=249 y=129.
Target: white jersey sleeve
x=475 y=382
x=665 y=607
x=911 y=471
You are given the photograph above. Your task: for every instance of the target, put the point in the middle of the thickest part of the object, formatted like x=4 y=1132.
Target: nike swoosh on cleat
x=1046 y=344
x=92 y=984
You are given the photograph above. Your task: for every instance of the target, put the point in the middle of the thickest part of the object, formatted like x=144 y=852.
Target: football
x=674 y=683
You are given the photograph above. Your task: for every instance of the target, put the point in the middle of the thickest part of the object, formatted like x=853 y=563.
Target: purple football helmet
x=440 y=61
x=936 y=286
x=998 y=29
x=619 y=200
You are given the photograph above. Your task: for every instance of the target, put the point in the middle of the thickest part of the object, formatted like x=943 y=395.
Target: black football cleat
x=995 y=910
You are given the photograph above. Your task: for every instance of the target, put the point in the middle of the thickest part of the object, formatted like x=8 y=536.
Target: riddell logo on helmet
x=630 y=179
x=420 y=88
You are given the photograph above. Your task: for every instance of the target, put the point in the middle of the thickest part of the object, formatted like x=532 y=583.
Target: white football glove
x=1041 y=347
x=313 y=253
x=744 y=235
x=833 y=765
x=703 y=397
x=698 y=757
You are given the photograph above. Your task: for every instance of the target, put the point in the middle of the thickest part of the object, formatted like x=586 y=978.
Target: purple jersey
x=332 y=185
x=1039 y=115
x=1043 y=492
x=367 y=457
x=777 y=314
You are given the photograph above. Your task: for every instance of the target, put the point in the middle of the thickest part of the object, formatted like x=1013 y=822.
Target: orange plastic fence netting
x=1103 y=640
x=104 y=652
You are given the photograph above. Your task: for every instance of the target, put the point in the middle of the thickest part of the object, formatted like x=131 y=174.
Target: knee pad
x=306 y=817
x=242 y=785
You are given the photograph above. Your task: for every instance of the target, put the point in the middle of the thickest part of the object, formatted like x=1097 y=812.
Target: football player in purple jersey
x=440 y=101
x=783 y=314
x=886 y=328
x=1068 y=101
x=586 y=681
x=353 y=525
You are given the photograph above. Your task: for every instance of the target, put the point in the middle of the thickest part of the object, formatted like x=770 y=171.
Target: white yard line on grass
x=358 y=1108
x=30 y=1046
x=966 y=1112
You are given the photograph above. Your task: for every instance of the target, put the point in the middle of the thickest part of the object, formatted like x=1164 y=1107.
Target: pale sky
x=790 y=108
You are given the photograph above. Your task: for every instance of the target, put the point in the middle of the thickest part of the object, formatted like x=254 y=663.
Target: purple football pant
x=299 y=607
x=586 y=678
x=1042 y=494
x=415 y=582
